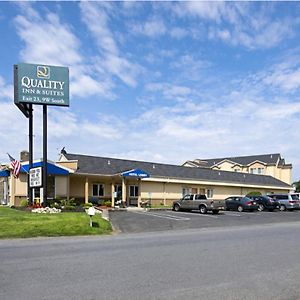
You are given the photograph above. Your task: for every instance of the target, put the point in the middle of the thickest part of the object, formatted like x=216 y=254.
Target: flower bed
x=46 y=210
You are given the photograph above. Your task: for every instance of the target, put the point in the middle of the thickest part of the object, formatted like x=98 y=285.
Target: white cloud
x=13 y=125
x=237 y=23
x=204 y=9
x=169 y=91
x=153 y=27
x=286 y=79
x=178 y=32
x=191 y=68
x=48 y=41
x=96 y=17
x=85 y=86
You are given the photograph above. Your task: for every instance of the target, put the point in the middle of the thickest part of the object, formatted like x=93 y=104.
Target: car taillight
x=248 y=203
x=292 y=201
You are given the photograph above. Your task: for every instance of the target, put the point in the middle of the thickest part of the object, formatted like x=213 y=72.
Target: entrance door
x=118 y=194
x=133 y=195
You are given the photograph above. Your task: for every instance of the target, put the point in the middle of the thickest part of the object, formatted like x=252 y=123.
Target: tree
x=254 y=193
x=296 y=185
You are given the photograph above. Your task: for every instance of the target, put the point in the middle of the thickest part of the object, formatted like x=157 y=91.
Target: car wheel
x=240 y=208
x=215 y=211
x=176 y=207
x=282 y=207
x=260 y=207
x=203 y=209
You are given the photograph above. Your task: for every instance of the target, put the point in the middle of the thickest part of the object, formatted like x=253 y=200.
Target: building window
x=194 y=190
x=186 y=191
x=257 y=170
x=237 y=170
x=98 y=190
x=134 y=191
x=210 y=193
x=260 y=170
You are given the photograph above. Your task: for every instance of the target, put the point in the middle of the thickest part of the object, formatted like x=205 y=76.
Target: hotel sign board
x=135 y=173
x=41 y=84
x=35 y=177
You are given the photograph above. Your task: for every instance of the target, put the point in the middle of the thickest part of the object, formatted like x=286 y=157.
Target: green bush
x=254 y=193
x=69 y=207
x=87 y=205
x=107 y=203
x=24 y=203
x=66 y=202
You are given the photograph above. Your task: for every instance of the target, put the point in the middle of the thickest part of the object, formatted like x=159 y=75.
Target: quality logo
x=43 y=72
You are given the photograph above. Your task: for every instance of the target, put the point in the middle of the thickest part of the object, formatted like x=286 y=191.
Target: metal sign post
x=29 y=191
x=45 y=173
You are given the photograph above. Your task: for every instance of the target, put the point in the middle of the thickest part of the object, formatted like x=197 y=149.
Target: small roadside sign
x=35 y=177
x=91 y=212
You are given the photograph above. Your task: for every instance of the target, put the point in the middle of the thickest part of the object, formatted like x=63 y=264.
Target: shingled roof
x=111 y=166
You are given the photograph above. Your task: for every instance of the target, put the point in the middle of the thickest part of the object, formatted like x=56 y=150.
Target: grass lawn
x=21 y=224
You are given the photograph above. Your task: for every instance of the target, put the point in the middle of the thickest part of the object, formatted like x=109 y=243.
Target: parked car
x=240 y=203
x=286 y=201
x=197 y=202
x=265 y=203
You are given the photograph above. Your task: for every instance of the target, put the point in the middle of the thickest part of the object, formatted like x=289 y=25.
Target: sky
x=158 y=81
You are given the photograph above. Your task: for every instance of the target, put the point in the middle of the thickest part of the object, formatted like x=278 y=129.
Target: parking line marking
x=197 y=214
x=162 y=216
x=232 y=214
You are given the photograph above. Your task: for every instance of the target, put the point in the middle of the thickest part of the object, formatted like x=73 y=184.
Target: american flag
x=16 y=165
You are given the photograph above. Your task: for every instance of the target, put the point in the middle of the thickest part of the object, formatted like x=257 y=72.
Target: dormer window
x=257 y=170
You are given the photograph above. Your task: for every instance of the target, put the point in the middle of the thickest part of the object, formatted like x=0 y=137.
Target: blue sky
x=158 y=81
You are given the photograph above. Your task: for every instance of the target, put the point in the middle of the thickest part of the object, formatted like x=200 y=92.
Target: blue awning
x=4 y=173
x=51 y=168
x=135 y=173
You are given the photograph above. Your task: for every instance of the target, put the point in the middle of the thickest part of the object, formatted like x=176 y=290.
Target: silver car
x=286 y=201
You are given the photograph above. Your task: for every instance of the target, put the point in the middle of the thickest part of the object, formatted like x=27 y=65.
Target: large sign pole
x=29 y=189
x=45 y=172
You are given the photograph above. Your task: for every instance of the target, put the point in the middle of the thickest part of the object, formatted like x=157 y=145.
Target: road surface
x=248 y=262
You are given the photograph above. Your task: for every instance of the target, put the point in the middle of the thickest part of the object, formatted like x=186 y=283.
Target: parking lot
x=160 y=220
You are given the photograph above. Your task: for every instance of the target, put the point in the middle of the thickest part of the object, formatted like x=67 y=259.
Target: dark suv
x=265 y=203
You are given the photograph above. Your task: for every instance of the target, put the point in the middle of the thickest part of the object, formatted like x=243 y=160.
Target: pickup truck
x=198 y=202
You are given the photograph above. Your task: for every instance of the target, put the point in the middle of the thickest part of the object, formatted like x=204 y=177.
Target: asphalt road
x=247 y=262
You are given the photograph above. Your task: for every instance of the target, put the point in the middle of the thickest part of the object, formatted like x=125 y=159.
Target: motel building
x=131 y=183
